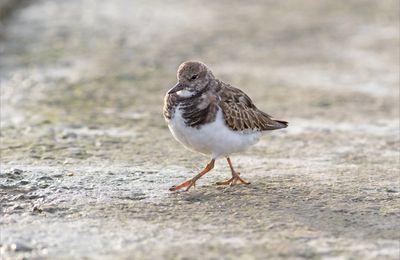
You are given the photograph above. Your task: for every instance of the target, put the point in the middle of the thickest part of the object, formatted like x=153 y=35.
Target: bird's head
x=193 y=77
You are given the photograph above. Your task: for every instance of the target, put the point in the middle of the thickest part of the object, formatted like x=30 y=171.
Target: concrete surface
x=87 y=159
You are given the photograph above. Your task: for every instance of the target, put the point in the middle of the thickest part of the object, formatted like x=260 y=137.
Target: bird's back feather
x=240 y=113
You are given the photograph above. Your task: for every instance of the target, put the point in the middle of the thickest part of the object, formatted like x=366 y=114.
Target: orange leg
x=192 y=182
x=235 y=176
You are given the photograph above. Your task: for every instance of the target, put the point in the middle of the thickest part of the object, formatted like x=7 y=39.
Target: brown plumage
x=197 y=110
x=238 y=109
x=240 y=113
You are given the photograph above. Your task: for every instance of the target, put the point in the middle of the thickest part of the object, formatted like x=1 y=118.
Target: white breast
x=215 y=138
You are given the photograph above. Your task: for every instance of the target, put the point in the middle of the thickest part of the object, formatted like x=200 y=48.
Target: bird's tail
x=280 y=124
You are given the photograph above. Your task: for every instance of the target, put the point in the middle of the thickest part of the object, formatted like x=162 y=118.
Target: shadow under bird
x=214 y=118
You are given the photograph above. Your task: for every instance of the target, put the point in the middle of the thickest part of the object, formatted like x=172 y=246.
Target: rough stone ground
x=86 y=158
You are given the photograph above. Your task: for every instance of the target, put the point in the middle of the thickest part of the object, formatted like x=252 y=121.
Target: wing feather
x=240 y=113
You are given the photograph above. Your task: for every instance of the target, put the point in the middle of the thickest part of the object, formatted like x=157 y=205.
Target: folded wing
x=240 y=113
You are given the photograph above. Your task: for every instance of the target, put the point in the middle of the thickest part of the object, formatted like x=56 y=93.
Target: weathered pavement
x=86 y=158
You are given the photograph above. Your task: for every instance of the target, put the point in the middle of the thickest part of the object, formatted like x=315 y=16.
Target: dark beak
x=178 y=86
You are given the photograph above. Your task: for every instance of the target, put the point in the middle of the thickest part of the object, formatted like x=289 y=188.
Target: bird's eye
x=193 y=77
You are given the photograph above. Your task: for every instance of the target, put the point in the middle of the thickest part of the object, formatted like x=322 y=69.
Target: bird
x=209 y=116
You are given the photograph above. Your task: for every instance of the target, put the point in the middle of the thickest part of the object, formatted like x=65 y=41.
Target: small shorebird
x=214 y=118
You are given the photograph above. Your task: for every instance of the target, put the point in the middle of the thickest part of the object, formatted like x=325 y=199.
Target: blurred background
x=86 y=157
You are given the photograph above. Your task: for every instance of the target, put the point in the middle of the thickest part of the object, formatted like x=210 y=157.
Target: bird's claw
x=233 y=181
x=188 y=184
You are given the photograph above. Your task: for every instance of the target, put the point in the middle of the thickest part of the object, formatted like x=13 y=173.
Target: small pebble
x=69 y=136
x=17 y=171
x=19 y=247
x=37 y=209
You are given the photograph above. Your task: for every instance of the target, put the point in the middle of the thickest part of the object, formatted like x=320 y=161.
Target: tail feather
x=281 y=124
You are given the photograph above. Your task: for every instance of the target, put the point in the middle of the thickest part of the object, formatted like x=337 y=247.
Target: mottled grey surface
x=87 y=160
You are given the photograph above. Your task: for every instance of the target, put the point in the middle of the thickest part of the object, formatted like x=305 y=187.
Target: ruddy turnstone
x=214 y=118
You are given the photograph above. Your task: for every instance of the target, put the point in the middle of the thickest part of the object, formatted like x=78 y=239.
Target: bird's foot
x=187 y=184
x=234 y=180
